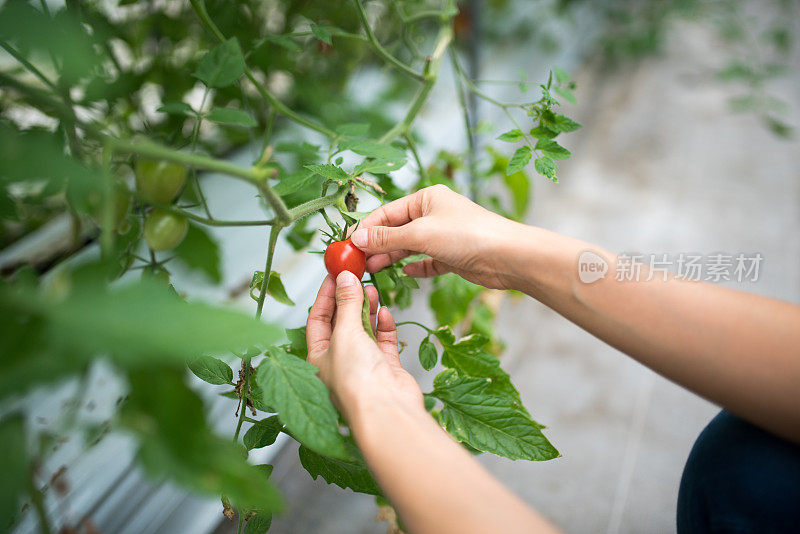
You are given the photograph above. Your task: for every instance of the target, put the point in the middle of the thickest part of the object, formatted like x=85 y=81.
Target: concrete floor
x=661 y=166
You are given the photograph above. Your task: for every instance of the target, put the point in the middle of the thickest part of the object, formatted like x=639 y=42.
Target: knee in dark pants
x=739 y=478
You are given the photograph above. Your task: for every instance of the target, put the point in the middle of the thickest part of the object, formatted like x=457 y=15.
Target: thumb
x=378 y=239
x=349 y=300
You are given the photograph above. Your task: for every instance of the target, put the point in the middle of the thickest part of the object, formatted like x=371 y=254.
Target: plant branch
x=470 y=85
x=254 y=175
x=243 y=408
x=362 y=15
x=431 y=72
x=195 y=134
x=412 y=145
x=273 y=240
x=462 y=102
x=28 y=65
x=430 y=330
x=211 y=222
x=280 y=107
x=307 y=208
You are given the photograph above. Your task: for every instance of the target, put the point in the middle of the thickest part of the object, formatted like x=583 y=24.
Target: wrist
x=367 y=411
x=538 y=261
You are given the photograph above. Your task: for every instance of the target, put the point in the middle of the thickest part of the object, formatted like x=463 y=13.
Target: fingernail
x=359 y=238
x=346 y=279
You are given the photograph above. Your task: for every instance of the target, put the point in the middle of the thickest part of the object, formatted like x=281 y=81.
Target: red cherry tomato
x=345 y=256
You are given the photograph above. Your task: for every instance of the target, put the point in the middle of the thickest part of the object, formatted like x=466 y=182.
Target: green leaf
x=552 y=149
x=290 y=384
x=321 y=33
x=565 y=124
x=199 y=251
x=331 y=172
x=33 y=156
x=297 y=341
x=275 y=287
x=282 y=41
x=356 y=215
x=259 y=523
x=167 y=418
x=566 y=94
x=263 y=433
x=561 y=75
x=61 y=35
x=490 y=421
x=297 y=181
x=212 y=370
x=139 y=325
x=511 y=136
x=304 y=151
x=353 y=129
x=466 y=356
x=177 y=108
x=546 y=167
x=346 y=473
x=518 y=161
x=373 y=149
x=518 y=185
x=222 y=65
x=14 y=466
x=378 y=166
x=451 y=297
x=231 y=116
x=543 y=132
x=427 y=354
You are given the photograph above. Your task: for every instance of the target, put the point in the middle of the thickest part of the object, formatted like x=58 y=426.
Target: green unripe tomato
x=120 y=206
x=164 y=230
x=159 y=182
x=156 y=273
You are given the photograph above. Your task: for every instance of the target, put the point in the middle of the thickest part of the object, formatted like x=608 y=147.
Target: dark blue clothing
x=740 y=478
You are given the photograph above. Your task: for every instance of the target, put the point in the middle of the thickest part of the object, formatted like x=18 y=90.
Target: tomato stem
x=402 y=67
x=277 y=105
x=273 y=240
x=365 y=315
x=430 y=330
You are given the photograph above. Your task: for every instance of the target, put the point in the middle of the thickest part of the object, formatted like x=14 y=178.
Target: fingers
x=386 y=335
x=372 y=295
x=426 y=268
x=349 y=298
x=320 y=317
x=396 y=213
x=379 y=261
x=384 y=239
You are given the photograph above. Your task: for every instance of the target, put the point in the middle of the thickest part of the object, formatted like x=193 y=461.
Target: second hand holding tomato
x=345 y=256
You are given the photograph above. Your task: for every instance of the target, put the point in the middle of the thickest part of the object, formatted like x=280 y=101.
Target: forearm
x=433 y=483
x=739 y=350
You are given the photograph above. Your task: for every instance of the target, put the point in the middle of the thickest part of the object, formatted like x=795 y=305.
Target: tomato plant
x=345 y=256
x=112 y=117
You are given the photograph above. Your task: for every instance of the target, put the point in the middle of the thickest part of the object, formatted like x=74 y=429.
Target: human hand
x=357 y=370
x=458 y=235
